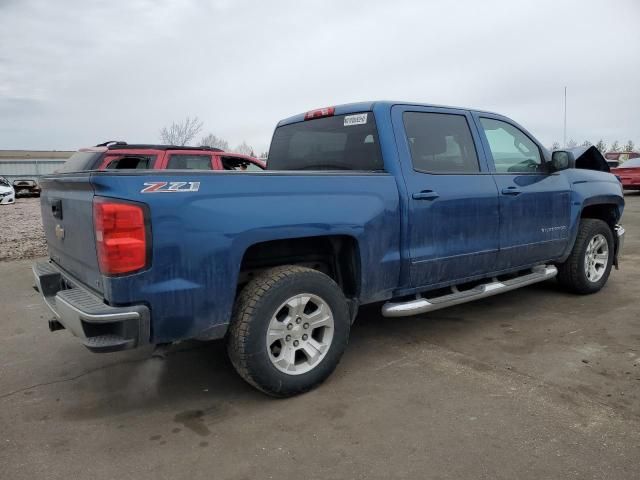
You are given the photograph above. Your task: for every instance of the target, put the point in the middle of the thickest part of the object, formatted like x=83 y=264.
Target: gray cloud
x=73 y=73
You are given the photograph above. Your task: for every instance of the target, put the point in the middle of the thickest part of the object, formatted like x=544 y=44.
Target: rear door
x=534 y=204
x=453 y=200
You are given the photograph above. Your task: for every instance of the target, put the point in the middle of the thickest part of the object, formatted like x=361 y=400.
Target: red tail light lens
x=121 y=236
x=319 y=113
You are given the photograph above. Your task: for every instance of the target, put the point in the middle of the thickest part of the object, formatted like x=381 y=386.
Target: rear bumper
x=100 y=327
x=28 y=189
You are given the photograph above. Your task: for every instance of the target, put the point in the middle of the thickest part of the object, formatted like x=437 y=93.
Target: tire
x=288 y=303
x=574 y=273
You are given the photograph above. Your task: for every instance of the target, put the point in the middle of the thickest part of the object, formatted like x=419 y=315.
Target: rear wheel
x=289 y=330
x=588 y=267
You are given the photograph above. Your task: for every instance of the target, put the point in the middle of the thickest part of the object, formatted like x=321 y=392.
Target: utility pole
x=564 y=135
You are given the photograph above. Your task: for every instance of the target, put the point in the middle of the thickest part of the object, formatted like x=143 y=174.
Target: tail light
x=121 y=236
x=319 y=113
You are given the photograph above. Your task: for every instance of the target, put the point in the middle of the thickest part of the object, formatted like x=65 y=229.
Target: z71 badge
x=170 y=187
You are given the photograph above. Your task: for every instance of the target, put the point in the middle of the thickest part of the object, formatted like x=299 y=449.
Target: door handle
x=425 y=195
x=511 y=191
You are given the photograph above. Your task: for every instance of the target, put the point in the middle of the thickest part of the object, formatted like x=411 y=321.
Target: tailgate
x=67 y=216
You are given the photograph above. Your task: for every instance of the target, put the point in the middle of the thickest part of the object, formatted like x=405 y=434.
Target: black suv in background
x=26 y=187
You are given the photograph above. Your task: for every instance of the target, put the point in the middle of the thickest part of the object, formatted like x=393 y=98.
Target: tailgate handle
x=56 y=209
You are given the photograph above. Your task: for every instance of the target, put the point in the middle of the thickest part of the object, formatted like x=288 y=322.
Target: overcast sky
x=74 y=73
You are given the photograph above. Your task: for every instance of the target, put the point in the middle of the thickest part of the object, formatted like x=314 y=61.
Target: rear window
x=81 y=161
x=189 y=162
x=342 y=142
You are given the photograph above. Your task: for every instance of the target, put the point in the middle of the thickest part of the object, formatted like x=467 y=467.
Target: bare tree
x=601 y=146
x=586 y=143
x=572 y=143
x=264 y=155
x=211 y=140
x=181 y=133
x=244 y=149
x=629 y=146
x=615 y=146
x=555 y=146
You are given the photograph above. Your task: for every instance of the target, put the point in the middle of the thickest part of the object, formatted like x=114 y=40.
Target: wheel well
x=334 y=255
x=607 y=213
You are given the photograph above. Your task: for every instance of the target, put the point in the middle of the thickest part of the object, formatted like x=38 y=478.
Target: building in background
x=30 y=164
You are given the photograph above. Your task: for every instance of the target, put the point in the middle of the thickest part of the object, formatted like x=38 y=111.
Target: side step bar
x=456 y=297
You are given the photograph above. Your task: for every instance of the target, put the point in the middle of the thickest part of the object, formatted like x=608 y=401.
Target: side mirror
x=562 y=160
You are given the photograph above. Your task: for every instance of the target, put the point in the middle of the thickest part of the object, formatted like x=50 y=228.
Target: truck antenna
x=564 y=135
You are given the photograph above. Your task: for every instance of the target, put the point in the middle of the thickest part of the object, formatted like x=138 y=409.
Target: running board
x=456 y=297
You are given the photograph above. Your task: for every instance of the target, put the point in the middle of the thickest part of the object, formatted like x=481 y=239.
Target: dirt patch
x=21 y=234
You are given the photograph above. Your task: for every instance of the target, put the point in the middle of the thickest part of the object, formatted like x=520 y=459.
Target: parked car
x=417 y=206
x=122 y=156
x=7 y=193
x=26 y=187
x=629 y=174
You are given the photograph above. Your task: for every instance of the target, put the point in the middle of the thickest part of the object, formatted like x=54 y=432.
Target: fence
x=30 y=165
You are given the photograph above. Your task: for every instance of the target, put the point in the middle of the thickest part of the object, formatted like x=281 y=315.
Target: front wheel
x=289 y=329
x=589 y=265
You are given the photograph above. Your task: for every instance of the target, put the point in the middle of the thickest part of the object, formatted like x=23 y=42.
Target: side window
x=240 y=164
x=512 y=150
x=131 y=162
x=440 y=142
x=189 y=162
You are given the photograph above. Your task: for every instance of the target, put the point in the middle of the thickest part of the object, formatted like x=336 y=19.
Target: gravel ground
x=21 y=234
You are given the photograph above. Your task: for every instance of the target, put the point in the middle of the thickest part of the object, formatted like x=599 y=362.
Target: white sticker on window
x=358 y=119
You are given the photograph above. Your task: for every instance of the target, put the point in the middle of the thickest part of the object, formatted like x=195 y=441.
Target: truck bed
x=199 y=237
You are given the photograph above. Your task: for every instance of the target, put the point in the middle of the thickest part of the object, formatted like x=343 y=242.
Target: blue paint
x=405 y=244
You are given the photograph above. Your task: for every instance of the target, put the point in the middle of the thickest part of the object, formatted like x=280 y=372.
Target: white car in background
x=7 y=193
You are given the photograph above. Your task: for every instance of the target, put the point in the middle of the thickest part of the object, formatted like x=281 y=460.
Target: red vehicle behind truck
x=629 y=174
x=121 y=155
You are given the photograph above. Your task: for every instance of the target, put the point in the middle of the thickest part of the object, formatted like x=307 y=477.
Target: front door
x=534 y=204
x=452 y=230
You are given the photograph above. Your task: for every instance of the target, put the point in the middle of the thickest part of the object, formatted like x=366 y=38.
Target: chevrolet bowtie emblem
x=59 y=232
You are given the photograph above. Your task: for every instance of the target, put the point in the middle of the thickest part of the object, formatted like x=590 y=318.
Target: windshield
x=4 y=182
x=342 y=142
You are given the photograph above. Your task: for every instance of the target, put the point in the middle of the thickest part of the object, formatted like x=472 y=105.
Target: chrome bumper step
x=493 y=287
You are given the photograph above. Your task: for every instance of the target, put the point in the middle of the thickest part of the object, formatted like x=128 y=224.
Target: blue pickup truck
x=417 y=207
